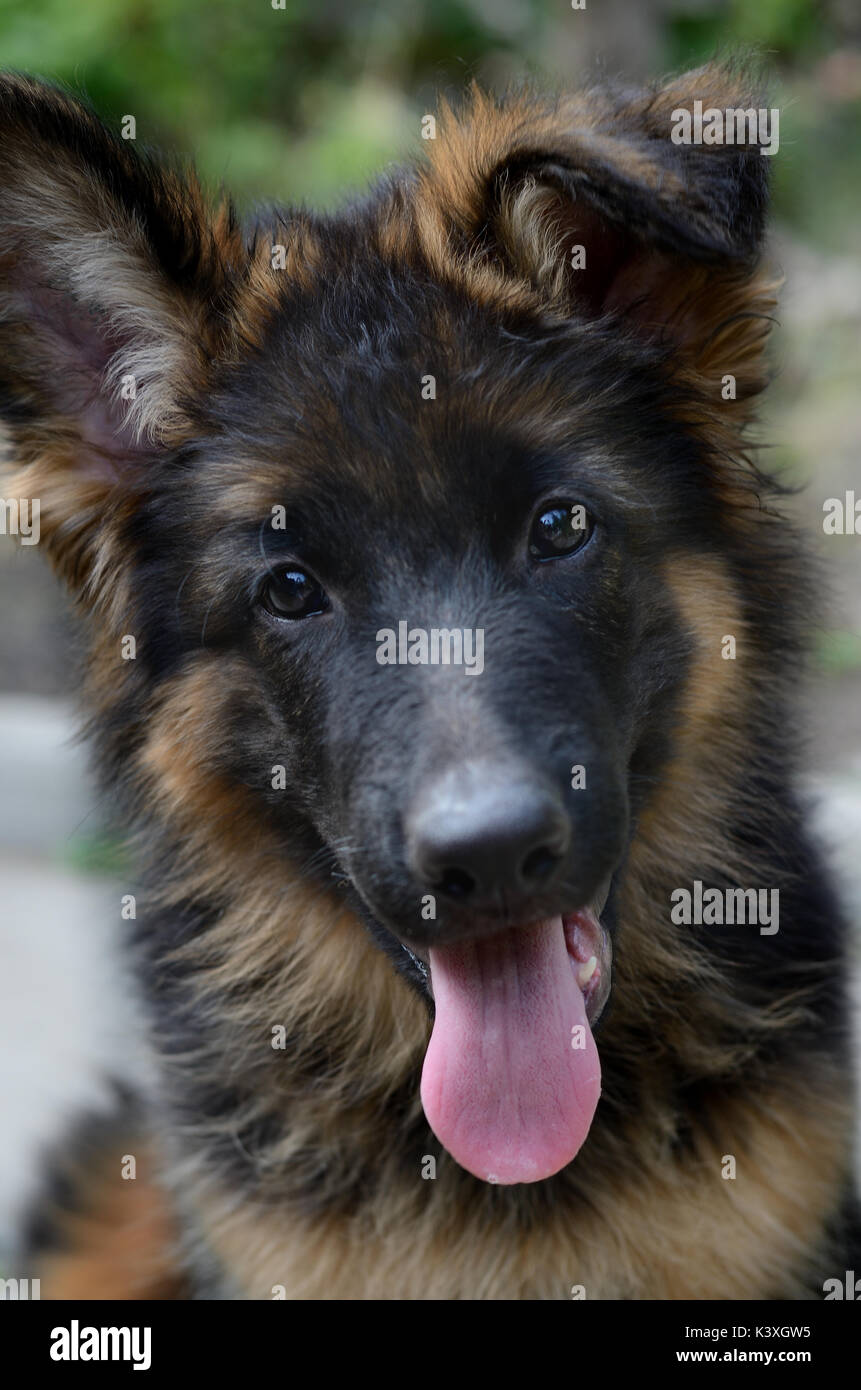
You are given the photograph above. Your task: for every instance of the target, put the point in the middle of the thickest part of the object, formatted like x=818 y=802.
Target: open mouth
x=589 y=946
x=511 y=1079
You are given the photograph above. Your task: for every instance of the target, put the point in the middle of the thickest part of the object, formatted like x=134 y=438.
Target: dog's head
x=404 y=483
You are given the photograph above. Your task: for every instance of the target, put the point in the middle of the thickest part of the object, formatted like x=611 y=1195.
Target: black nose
x=476 y=834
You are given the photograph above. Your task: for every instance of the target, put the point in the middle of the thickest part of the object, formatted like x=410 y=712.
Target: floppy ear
x=113 y=287
x=670 y=233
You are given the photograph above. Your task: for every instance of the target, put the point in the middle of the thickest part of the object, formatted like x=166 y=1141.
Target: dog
x=443 y=645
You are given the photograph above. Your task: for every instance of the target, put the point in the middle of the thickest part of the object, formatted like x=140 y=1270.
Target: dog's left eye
x=560 y=529
x=291 y=593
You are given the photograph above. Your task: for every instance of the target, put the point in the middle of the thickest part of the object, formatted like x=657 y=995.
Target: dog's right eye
x=560 y=529
x=293 y=594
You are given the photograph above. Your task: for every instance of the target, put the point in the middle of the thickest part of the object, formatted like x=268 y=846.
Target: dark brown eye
x=291 y=593
x=560 y=529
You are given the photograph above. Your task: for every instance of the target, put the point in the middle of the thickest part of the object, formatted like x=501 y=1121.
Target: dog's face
x=514 y=512
x=405 y=471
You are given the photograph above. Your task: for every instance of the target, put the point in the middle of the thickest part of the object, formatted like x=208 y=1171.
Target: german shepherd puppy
x=444 y=645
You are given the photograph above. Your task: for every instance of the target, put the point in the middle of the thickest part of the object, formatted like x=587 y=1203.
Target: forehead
x=375 y=384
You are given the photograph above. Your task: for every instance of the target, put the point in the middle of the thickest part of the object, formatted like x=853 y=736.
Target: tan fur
x=120 y=1244
x=680 y=1231
x=260 y=291
x=316 y=959
x=689 y=809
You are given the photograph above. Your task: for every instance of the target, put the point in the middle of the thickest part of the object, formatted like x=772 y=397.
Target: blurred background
x=302 y=104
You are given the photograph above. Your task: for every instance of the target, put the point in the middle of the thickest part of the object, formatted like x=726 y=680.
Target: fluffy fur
x=301 y=1169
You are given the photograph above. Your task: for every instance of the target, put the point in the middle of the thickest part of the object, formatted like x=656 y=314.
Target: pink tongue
x=503 y=1089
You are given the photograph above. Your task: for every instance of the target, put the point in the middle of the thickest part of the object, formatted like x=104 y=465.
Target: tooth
x=585 y=973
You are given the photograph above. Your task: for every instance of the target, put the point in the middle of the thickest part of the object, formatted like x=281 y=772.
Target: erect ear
x=671 y=233
x=113 y=289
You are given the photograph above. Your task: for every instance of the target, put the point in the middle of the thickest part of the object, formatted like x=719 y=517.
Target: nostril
x=539 y=864
x=484 y=836
x=455 y=883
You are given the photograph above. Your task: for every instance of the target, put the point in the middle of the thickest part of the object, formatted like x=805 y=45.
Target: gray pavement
x=67 y=1017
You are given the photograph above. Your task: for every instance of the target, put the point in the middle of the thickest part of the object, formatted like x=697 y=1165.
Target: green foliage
x=785 y=29
x=297 y=104
x=840 y=651
x=285 y=103
x=97 y=853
